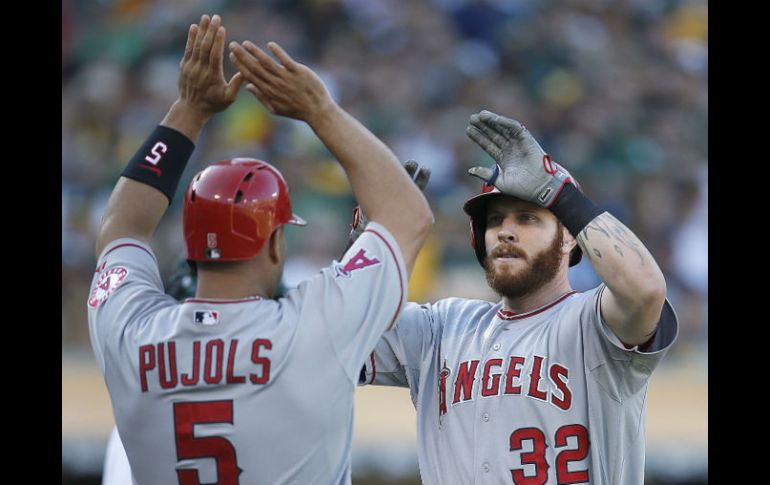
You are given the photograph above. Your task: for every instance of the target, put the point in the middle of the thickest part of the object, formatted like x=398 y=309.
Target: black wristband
x=160 y=161
x=574 y=209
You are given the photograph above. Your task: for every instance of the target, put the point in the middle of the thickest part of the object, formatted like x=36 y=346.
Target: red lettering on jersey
x=188 y=380
x=171 y=382
x=146 y=363
x=556 y=371
x=534 y=380
x=442 y=389
x=465 y=377
x=232 y=379
x=487 y=390
x=514 y=370
x=263 y=361
x=217 y=366
x=358 y=261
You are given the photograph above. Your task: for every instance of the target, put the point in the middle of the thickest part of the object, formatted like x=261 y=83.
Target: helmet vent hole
x=238 y=196
x=192 y=196
x=261 y=167
x=248 y=176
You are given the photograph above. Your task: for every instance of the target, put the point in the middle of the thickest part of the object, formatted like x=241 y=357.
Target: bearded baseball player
x=236 y=385
x=546 y=386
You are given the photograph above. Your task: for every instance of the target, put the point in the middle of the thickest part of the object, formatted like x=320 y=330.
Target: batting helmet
x=476 y=208
x=232 y=207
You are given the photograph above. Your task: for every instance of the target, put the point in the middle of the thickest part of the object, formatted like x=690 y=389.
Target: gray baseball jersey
x=547 y=397
x=243 y=391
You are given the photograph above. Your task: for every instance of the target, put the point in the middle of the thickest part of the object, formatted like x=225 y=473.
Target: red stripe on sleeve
x=128 y=244
x=374 y=368
x=400 y=277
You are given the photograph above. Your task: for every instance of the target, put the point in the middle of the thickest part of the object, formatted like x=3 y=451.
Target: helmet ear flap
x=477 y=240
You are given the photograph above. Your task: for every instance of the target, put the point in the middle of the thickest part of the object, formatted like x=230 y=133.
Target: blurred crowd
x=616 y=91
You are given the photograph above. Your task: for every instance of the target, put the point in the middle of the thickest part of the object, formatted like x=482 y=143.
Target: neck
x=544 y=295
x=234 y=282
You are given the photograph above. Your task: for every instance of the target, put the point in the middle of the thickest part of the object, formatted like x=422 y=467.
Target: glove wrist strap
x=574 y=209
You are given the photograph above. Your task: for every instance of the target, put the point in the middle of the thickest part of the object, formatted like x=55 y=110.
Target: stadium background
x=615 y=90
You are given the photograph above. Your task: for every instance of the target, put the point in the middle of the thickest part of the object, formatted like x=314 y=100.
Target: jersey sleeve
x=401 y=352
x=620 y=370
x=359 y=297
x=126 y=285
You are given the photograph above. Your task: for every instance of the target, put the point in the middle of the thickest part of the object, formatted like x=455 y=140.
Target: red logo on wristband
x=548 y=165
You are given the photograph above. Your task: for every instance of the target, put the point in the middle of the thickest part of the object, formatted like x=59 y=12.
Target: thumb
x=233 y=86
x=484 y=173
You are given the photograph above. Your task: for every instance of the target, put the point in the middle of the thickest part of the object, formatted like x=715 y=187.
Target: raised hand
x=202 y=84
x=523 y=168
x=287 y=88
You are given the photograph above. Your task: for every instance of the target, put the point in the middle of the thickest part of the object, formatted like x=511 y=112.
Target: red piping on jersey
x=644 y=346
x=400 y=278
x=506 y=315
x=223 y=302
x=128 y=244
x=374 y=367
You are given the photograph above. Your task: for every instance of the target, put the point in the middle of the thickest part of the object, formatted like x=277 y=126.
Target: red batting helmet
x=232 y=207
x=476 y=207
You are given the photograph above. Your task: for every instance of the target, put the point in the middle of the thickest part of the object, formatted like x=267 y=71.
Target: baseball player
x=548 y=385
x=180 y=286
x=234 y=385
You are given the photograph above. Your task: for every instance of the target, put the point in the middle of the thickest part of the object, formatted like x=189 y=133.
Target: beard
x=542 y=269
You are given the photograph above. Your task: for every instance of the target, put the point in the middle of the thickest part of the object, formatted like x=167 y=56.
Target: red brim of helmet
x=297 y=220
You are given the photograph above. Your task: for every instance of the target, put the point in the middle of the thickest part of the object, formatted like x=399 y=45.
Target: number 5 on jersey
x=186 y=416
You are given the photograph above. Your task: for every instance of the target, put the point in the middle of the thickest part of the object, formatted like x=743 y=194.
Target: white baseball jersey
x=246 y=391
x=547 y=397
x=116 y=470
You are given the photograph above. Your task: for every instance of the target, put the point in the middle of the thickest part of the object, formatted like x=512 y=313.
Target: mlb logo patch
x=207 y=317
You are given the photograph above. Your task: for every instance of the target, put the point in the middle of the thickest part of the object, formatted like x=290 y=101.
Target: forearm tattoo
x=606 y=226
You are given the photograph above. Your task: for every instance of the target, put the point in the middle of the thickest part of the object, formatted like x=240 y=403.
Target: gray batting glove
x=420 y=176
x=523 y=168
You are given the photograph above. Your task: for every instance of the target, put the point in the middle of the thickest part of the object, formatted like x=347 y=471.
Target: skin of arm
x=135 y=209
x=636 y=289
x=380 y=184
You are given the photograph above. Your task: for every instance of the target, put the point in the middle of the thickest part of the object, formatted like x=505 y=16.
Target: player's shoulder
x=455 y=310
x=585 y=296
x=126 y=248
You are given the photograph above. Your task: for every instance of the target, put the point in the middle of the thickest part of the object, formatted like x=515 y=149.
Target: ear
x=274 y=245
x=568 y=242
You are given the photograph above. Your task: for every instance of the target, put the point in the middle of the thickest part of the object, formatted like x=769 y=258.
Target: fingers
x=208 y=38
x=231 y=92
x=202 y=28
x=265 y=61
x=484 y=173
x=484 y=142
x=499 y=138
x=217 y=49
x=494 y=120
x=411 y=167
x=248 y=65
x=188 y=48
x=282 y=56
x=422 y=177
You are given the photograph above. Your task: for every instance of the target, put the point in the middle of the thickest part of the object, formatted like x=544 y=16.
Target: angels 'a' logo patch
x=357 y=262
x=108 y=281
